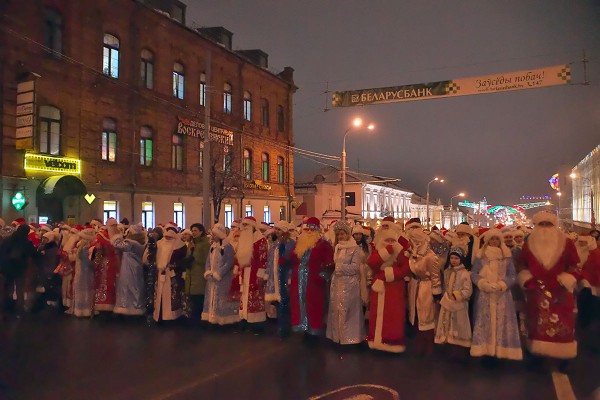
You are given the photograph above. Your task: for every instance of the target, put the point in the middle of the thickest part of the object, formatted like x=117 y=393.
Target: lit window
x=228 y=215
x=178 y=81
x=147 y=214
x=227 y=98
x=247 y=164
x=177 y=153
x=267 y=214
x=280 y=119
x=147 y=69
x=49 y=130
x=53 y=31
x=265 y=112
x=280 y=170
x=227 y=162
x=109 y=140
x=178 y=214
x=110 y=59
x=265 y=167
x=110 y=210
x=247 y=106
x=249 y=211
x=202 y=89
x=282 y=213
x=146 y=146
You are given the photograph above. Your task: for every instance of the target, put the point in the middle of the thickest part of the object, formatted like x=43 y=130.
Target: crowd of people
x=478 y=291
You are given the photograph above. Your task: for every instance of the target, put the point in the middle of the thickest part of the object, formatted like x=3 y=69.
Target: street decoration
x=90 y=198
x=555 y=182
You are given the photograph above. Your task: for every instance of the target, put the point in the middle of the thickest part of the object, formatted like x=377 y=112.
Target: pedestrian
x=251 y=259
x=358 y=234
x=588 y=299
x=387 y=307
x=549 y=261
x=453 y=326
x=83 y=277
x=495 y=331
x=345 y=321
x=150 y=276
x=219 y=308
x=66 y=267
x=50 y=282
x=129 y=298
x=195 y=282
x=106 y=268
x=283 y=266
x=468 y=242
x=312 y=264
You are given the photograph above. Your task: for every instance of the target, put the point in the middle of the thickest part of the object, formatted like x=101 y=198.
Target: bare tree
x=224 y=181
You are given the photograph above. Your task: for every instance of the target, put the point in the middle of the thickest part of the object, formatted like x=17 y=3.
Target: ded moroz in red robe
x=308 y=286
x=388 y=300
x=550 y=301
x=106 y=268
x=252 y=286
x=590 y=270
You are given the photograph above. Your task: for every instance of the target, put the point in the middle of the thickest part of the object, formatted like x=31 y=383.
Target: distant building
x=586 y=190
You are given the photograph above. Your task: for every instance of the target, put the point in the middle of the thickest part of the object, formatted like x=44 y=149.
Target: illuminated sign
x=190 y=127
x=19 y=201
x=257 y=185
x=37 y=162
x=90 y=198
x=554 y=182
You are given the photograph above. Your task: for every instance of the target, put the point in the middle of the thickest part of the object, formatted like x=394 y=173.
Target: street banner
x=528 y=79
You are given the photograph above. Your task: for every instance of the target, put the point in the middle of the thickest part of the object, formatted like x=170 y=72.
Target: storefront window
x=110 y=210
x=148 y=214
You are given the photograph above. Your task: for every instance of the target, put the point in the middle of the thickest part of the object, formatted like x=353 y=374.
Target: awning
x=61 y=186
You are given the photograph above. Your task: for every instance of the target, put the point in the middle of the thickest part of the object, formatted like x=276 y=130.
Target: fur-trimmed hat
x=458 y=251
x=413 y=223
x=219 y=231
x=282 y=225
x=88 y=233
x=186 y=232
x=463 y=227
x=518 y=232
x=250 y=220
x=18 y=221
x=314 y=221
x=545 y=216
x=52 y=236
x=236 y=223
x=136 y=229
x=45 y=228
x=358 y=229
x=589 y=240
x=342 y=226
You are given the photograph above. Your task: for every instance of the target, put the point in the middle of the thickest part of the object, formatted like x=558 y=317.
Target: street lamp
x=452 y=209
x=357 y=123
x=436 y=179
x=559 y=194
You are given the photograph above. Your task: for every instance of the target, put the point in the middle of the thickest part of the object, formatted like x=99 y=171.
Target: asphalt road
x=47 y=356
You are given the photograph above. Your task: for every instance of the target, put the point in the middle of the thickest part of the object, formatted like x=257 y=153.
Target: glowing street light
x=436 y=179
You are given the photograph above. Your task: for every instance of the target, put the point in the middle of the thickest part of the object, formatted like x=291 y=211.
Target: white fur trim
x=216 y=320
x=378 y=286
x=503 y=285
x=384 y=254
x=128 y=311
x=458 y=296
x=567 y=280
x=389 y=274
x=207 y=274
x=261 y=273
x=496 y=351
x=387 y=347
x=552 y=349
x=216 y=276
x=463 y=228
x=545 y=216
x=523 y=277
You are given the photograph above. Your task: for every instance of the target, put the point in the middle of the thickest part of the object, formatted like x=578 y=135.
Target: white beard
x=583 y=253
x=547 y=245
x=164 y=250
x=462 y=243
x=245 y=247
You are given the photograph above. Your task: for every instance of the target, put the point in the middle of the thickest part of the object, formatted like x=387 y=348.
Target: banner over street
x=504 y=82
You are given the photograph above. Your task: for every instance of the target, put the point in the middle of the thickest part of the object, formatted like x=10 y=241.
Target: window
x=265 y=112
x=203 y=89
x=280 y=119
x=49 y=130
x=177 y=153
x=147 y=69
x=110 y=60
x=110 y=210
x=53 y=31
x=265 y=167
x=109 y=140
x=227 y=98
x=147 y=214
x=280 y=170
x=228 y=215
x=247 y=164
x=146 y=146
x=247 y=106
x=178 y=81
x=267 y=214
x=227 y=162
x=282 y=213
x=249 y=211
x=201 y=156
x=178 y=214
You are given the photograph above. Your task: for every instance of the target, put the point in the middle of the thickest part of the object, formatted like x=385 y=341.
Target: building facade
x=585 y=182
x=105 y=106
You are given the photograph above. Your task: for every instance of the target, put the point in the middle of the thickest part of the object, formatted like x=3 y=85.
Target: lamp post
x=355 y=124
x=559 y=194
x=436 y=179
x=452 y=209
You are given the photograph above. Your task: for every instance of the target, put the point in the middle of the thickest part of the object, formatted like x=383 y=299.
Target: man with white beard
x=251 y=260
x=549 y=260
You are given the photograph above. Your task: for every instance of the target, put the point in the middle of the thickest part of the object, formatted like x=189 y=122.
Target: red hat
x=34 y=225
x=250 y=220
x=404 y=242
x=314 y=221
x=413 y=223
x=389 y=219
x=19 y=221
x=482 y=231
x=499 y=226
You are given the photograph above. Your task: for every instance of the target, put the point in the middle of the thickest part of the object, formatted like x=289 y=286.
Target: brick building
x=104 y=106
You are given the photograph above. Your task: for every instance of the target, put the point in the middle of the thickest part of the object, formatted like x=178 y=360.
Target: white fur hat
x=545 y=216
x=219 y=231
x=51 y=236
x=589 y=240
x=136 y=229
x=88 y=233
x=358 y=229
x=282 y=225
x=464 y=228
x=186 y=231
x=250 y=221
x=518 y=232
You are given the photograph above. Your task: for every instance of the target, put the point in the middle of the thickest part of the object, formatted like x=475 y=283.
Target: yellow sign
x=24 y=144
x=257 y=185
x=38 y=162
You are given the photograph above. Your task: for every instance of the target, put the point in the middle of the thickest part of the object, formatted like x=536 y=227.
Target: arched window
x=280 y=119
x=147 y=69
x=53 y=27
x=109 y=139
x=49 y=125
x=178 y=81
x=227 y=98
x=265 y=112
x=247 y=106
x=177 y=153
x=247 y=164
x=110 y=60
x=146 y=146
x=280 y=170
x=265 y=167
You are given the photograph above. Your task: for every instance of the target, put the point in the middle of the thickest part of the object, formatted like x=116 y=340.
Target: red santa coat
x=106 y=268
x=320 y=261
x=388 y=301
x=550 y=305
x=252 y=284
x=590 y=272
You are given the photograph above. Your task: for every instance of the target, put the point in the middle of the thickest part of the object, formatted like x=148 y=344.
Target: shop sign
x=25 y=120
x=38 y=162
x=193 y=128
x=19 y=201
x=257 y=185
x=90 y=198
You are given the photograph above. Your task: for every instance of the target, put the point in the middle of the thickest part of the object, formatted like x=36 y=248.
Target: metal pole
x=451 y=214
x=206 y=162
x=343 y=194
x=427 y=205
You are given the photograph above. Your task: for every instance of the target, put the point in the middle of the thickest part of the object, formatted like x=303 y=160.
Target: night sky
x=501 y=146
